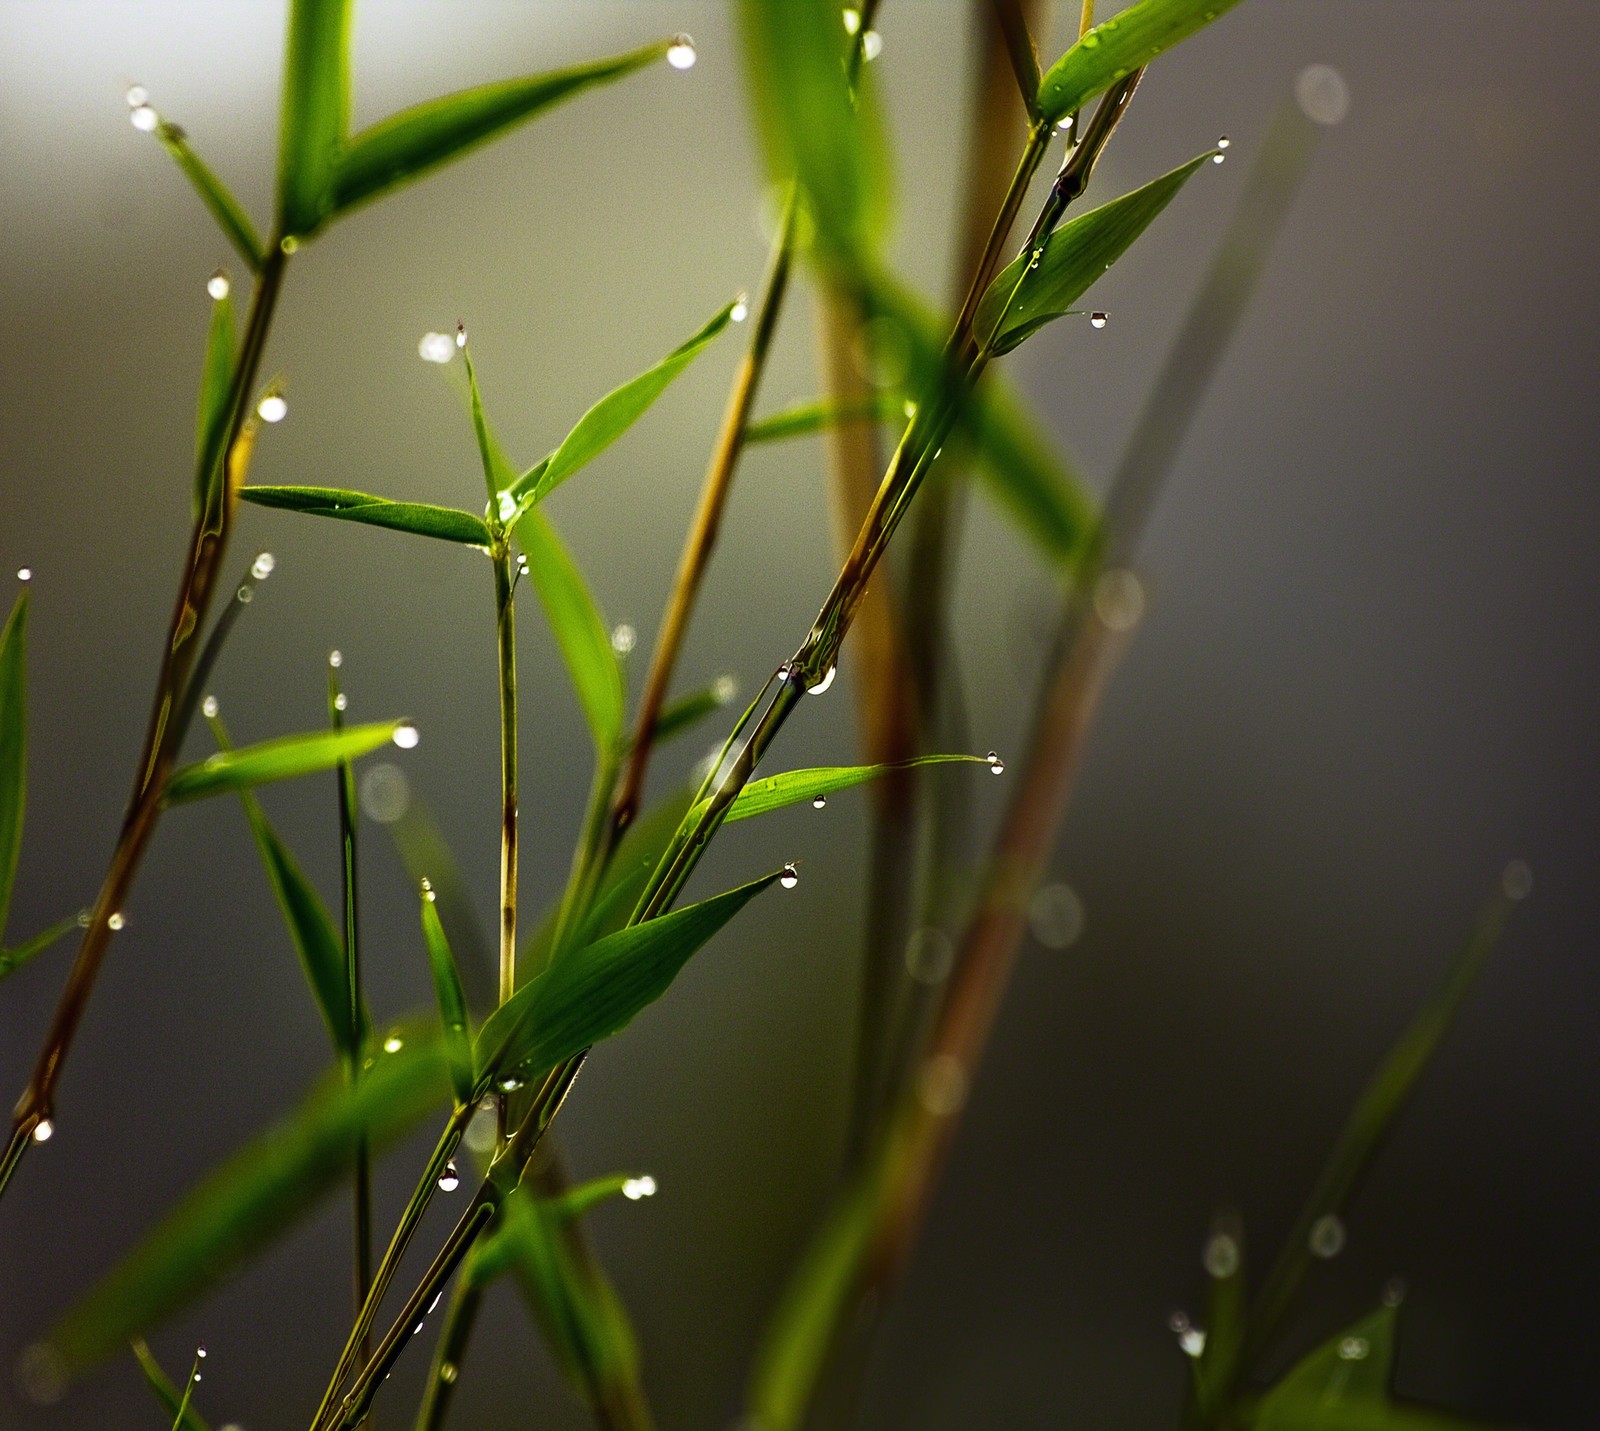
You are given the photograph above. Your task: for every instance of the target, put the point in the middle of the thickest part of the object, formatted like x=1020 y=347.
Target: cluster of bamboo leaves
x=613 y=944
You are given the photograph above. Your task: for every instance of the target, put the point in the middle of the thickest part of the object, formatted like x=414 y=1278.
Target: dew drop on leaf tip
x=340 y=701
x=218 y=285
x=1097 y=320
x=144 y=119
x=681 y=52
x=209 y=707
x=871 y=46
x=136 y=96
x=790 y=877
x=24 y=573
x=820 y=802
x=273 y=408
x=43 y=1130
x=335 y=659
x=406 y=737
x=852 y=21
x=740 y=310
x=635 y=1188
x=623 y=638
x=261 y=567
x=996 y=765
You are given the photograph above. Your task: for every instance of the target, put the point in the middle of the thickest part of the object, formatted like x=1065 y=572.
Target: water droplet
x=821 y=686
x=1055 y=915
x=436 y=347
x=942 y=1085
x=680 y=53
x=790 y=877
x=1119 y=599
x=24 y=573
x=740 y=310
x=1192 y=1342
x=996 y=765
x=200 y=1351
x=820 y=802
x=1218 y=158
x=871 y=45
x=510 y=1085
x=261 y=567
x=929 y=955
x=272 y=408
x=115 y=921
x=1327 y=1237
x=1091 y=41
x=1097 y=320
x=1517 y=880
x=461 y=335
x=43 y=1130
x=1221 y=1256
x=209 y=707
x=289 y=244
x=85 y=919
x=218 y=285
x=406 y=737
x=1064 y=124
x=636 y=1188
x=42 y=1374
x=1323 y=95
x=137 y=95
x=385 y=793
x=428 y=891
x=852 y=21
x=1394 y=1292
x=507 y=506
x=1354 y=1349
x=245 y=595
x=623 y=638
x=724 y=689
x=1223 y=141
x=1178 y=1322
x=481 y=1130
x=144 y=118
x=393 y=1044
x=196 y=1377
x=448 y=1372
x=340 y=701
x=450 y=1178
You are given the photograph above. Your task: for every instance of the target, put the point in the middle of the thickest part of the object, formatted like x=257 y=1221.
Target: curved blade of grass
x=452 y=1002
x=315 y=113
x=579 y=629
x=264 y=1187
x=13 y=959
x=418 y=518
x=1118 y=46
x=211 y=415
x=1022 y=299
x=807 y=417
x=575 y=1202
x=176 y=1405
x=13 y=746
x=688 y=711
x=214 y=194
x=594 y=992
x=613 y=415
x=791 y=787
x=408 y=144
x=497 y=474
x=280 y=759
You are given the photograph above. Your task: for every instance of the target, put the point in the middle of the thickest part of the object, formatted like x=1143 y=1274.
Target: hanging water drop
x=450 y=1178
x=871 y=45
x=821 y=686
x=209 y=707
x=272 y=408
x=635 y=1188
x=340 y=701
x=724 y=689
x=790 y=877
x=1065 y=123
x=393 y=1044
x=200 y=1351
x=680 y=53
x=1223 y=141
x=218 y=285
x=335 y=659
x=428 y=891
x=507 y=506
x=852 y=21
x=1218 y=158
x=1221 y=1256
x=43 y=1130
x=137 y=95
x=144 y=118
x=115 y=922
x=740 y=310
x=461 y=335
x=1327 y=1237
x=996 y=765
x=261 y=567
x=623 y=638
x=448 y=1373
x=820 y=802
x=289 y=244
x=245 y=595
x=1192 y=1342
x=510 y=1085
x=406 y=737
x=436 y=347
x=1097 y=320
x=24 y=573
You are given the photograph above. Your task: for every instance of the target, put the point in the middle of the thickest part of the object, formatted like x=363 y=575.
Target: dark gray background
x=1367 y=678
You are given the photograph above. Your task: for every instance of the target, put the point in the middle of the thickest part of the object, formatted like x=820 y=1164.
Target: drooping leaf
x=576 y=1201
x=242 y=1205
x=12 y=959
x=595 y=991
x=613 y=415
x=315 y=114
x=175 y=1403
x=689 y=710
x=214 y=194
x=452 y=1002
x=1022 y=299
x=497 y=474
x=814 y=416
x=410 y=143
x=1116 y=47
x=211 y=415
x=279 y=759
x=13 y=746
x=418 y=518
x=791 y=787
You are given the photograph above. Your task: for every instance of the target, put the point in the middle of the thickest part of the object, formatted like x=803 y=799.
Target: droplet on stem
x=428 y=890
x=218 y=285
x=336 y=659
x=340 y=701
x=261 y=567
x=209 y=708
x=680 y=53
x=450 y=1178
x=1221 y=1256
x=740 y=310
x=1327 y=1237
x=852 y=21
x=821 y=686
x=115 y=921
x=144 y=119
x=871 y=46
x=790 y=876
x=506 y=505
x=996 y=765
x=1097 y=320
x=43 y=1130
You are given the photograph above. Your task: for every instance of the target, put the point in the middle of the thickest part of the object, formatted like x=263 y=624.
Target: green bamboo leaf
x=175 y=1404
x=807 y=417
x=627 y=874
x=497 y=474
x=246 y=1202
x=790 y=787
x=315 y=114
x=1225 y=1315
x=1355 y=1365
x=594 y=992
x=410 y=143
x=613 y=415
x=1116 y=47
x=279 y=759
x=418 y=518
x=12 y=959
x=214 y=194
x=576 y=1201
x=1022 y=299
x=211 y=415
x=452 y=1002
x=579 y=629
x=13 y=747
x=688 y=711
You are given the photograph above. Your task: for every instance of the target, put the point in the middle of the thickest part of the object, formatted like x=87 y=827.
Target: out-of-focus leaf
x=1225 y=1314
x=595 y=991
x=613 y=415
x=410 y=143
x=315 y=114
x=211 y=416
x=574 y=1202
x=242 y=1205
x=13 y=746
x=12 y=959
x=452 y=1003
x=497 y=474
x=688 y=711
x=279 y=759
x=418 y=518
x=579 y=628
x=173 y=1402
x=214 y=194
x=814 y=416
x=791 y=787
x=1022 y=299
x=1116 y=47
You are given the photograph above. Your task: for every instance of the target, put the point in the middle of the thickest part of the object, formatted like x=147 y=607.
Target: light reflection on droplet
x=724 y=689
x=996 y=765
x=43 y=1131
x=680 y=53
x=506 y=505
x=636 y=1188
x=436 y=347
x=448 y=1372
x=115 y=922
x=406 y=737
x=261 y=567
x=218 y=285
x=820 y=803
x=209 y=707
x=481 y=1130
x=852 y=21
x=341 y=701
x=790 y=877
x=1221 y=1256
x=1098 y=320
x=136 y=95
x=450 y=1178
x=274 y=407
x=821 y=686
x=144 y=118
x=871 y=45
x=1192 y=1342
x=24 y=573
x=1327 y=1237
x=623 y=638
x=393 y=1044
x=740 y=310
x=1354 y=1349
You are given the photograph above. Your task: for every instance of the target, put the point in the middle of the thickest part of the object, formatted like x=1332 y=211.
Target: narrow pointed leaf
x=576 y=1201
x=629 y=870
x=497 y=474
x=279 y=759
x=594 y=992
x=172 y=1401
x=12 y=959
x=247 y=1201
x=211 y=415
x=688 y=711
x=579 y=629
x=408 y=144
x=1355 y=1365
x=452 y=1002
x=13 y=746
x=791 y=787
x=214 y=194
x=1022 y=300
x=614 y=414
x=418 y=518
x=1111 y=50
x=807 y=417
x=315 y=113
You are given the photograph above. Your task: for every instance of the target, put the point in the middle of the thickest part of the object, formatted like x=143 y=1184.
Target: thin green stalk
x=208 y=545
x=506 y=636
x=460 y=1318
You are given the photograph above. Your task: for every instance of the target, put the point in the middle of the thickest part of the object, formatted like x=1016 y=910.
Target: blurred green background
x=1368 y=676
